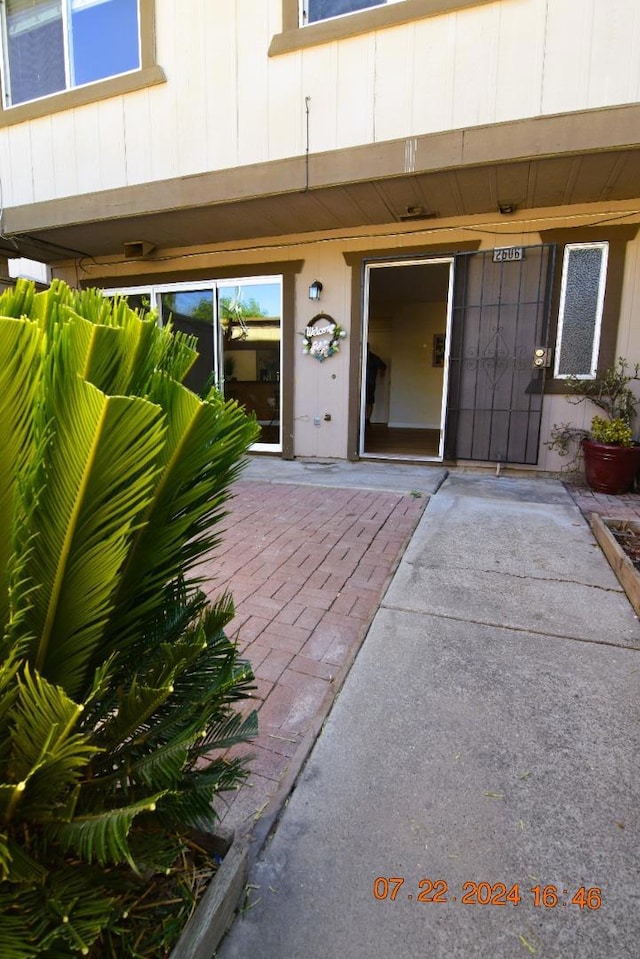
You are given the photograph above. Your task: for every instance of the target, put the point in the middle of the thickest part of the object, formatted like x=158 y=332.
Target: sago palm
x=117 y=682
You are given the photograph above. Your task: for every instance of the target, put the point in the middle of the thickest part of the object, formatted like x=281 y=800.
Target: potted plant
x=611 y=456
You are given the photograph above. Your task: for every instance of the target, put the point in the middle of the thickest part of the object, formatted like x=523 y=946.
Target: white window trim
x=604 y=246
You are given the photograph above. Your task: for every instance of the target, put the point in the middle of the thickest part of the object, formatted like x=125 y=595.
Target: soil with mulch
x=627 y=536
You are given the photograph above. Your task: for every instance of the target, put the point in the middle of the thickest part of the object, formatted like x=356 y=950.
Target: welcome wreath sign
x=322 y=336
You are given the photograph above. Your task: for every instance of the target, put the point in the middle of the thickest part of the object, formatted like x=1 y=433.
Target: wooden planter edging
x=215 y=911
x=622 y=566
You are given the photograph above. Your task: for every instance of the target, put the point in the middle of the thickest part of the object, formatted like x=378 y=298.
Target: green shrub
x=609 y=391
x=117 y=681
x=615 y=432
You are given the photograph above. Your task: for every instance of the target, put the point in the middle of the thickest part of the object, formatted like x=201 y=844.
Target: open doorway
x=405 y=350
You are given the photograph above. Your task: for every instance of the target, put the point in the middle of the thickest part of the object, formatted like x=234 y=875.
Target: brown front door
x=501 y=306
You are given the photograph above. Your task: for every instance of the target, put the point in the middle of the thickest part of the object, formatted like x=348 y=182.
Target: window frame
x=295 y=37
x=303 y=22
x=599 y=311
x=157 y=287
x=148 y=74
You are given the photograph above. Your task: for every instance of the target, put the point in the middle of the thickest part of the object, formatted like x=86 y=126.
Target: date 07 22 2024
x=488 y=894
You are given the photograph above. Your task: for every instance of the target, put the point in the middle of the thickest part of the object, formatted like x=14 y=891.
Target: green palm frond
x=105 y=356
x=127 y=350
x=213 y=704
x=136 y=706
x=174 y=639
x=5 y=856
x=117 y=682
x=230 y=731
x=20 y=345
x=133 y=772
x=17 y=300
x=100 y=473
x=192 y=803
x=200 y=459
x=162 y=765
x=150 y=347
x=96 y=308
x=102 y=837
x=8 y=695
x=174 y=658
x=68 y=913
x=47 y=307
x=202 y=696
x=48 y=755
x=15 y=931
x=23 y=868
x=154 y=850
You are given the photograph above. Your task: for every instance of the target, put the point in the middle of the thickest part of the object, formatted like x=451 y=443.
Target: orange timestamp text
x=394 y=888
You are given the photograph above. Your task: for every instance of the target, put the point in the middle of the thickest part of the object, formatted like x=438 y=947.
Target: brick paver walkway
x=625 y=506
x=307 y=567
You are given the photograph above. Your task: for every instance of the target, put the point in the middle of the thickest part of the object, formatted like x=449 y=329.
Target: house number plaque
x=508 y=254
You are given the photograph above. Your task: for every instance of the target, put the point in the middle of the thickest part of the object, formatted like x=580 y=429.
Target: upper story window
x=312 y=11
x=56 y=45
x=307 y=23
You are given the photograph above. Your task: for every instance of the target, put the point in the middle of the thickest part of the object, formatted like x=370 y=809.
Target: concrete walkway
x=487 y=733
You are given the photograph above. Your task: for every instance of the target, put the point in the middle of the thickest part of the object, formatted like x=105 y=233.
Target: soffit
x=456 y=192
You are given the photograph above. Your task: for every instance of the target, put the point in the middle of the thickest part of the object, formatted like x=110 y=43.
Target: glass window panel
x=581 y=302
x=250 y=327
x=324 y=9
x=104 y=39
x=139 y=301
x=191 y=312
x=248 y=334
x=35 y=41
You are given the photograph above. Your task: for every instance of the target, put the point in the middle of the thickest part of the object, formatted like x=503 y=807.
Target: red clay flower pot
x=610 y=469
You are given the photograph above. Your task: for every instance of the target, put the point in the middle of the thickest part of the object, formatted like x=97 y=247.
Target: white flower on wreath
x=322 y=349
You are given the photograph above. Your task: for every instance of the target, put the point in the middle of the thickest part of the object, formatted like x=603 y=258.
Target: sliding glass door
x=238 y=327
x=250 y=351
x=190 y=310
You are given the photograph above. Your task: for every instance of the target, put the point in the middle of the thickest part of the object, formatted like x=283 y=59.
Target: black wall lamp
x=315 y=290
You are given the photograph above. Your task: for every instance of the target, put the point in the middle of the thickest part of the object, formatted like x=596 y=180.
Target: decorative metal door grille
x=500 y=317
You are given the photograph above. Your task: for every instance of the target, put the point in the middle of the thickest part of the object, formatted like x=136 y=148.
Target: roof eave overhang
x=587 y=156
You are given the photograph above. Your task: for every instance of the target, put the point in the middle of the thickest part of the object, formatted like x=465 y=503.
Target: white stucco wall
x=323 y=388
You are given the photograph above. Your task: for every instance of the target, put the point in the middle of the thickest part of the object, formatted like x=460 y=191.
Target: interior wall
x=244 y=364
x=415 y=385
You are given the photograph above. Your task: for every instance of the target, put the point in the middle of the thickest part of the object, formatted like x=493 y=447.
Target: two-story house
x=451 y=184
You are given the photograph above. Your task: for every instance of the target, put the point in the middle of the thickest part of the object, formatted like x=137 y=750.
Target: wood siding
x=226 y=103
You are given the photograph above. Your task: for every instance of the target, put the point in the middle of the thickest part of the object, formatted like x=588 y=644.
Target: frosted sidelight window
x=584 y=272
